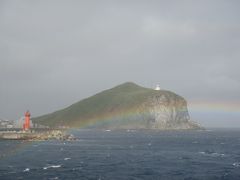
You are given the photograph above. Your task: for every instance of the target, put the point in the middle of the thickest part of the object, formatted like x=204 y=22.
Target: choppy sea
x=126 y=154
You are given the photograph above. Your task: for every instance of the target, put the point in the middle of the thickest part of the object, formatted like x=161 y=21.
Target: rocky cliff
x=168 y=111
x=127 y=106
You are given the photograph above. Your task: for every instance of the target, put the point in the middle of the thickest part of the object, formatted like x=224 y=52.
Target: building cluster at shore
x=6 y=123
x=24 y=130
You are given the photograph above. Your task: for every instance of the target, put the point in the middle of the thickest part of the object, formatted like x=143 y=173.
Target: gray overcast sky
x=54 y=53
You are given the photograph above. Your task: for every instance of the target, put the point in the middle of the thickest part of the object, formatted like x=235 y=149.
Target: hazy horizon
x=55 y=53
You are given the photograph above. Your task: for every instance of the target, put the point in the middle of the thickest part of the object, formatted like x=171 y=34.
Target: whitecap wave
x=212 y=154
x=52 y=166
x=131 y=130
x=26 y=170
x=54 y=178
x=65 y=159
x=236 y=164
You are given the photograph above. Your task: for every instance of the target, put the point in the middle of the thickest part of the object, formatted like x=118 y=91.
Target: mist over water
x=131 y=154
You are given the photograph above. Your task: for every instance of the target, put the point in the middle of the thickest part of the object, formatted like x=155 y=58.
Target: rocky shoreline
x=37 y=136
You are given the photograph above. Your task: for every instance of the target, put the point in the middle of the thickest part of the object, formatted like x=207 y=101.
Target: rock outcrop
x=168 y=111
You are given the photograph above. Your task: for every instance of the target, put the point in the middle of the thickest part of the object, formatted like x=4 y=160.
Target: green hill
x=125 y=106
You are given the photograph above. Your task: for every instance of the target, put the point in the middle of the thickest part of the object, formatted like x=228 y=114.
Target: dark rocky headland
x=127 y=106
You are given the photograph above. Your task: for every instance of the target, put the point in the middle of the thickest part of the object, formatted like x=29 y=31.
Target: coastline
x=53 y=134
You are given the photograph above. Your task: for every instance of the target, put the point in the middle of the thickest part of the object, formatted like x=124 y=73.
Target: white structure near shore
x=157 y=88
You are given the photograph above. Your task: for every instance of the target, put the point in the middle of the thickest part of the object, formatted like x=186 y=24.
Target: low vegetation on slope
x=119 y=107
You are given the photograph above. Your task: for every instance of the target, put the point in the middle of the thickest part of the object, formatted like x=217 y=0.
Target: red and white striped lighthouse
x=26 y=125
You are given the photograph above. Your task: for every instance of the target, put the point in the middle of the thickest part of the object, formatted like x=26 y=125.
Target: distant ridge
x=125 y=106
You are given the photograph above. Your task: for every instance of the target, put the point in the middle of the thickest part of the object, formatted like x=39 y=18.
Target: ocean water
x=117 y=155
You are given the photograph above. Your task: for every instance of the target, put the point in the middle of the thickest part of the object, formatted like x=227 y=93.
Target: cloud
x=161 y=28
x=54 y=53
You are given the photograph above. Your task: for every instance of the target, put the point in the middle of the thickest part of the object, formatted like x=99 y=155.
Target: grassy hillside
x=107 y=104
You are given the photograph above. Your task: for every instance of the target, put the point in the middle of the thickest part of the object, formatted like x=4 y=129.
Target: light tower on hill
x=157 y=88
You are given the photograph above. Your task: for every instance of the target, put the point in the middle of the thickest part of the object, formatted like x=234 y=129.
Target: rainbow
x=197 y=106
x=206 y=107
x=214 y=107
x=105 y=118
x=16 y=147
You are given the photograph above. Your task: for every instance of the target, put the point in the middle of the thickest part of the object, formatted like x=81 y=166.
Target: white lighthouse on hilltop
x=157 y=88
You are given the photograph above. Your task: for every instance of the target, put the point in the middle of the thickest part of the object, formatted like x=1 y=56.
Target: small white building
x=6 y=123
x=157 y=88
